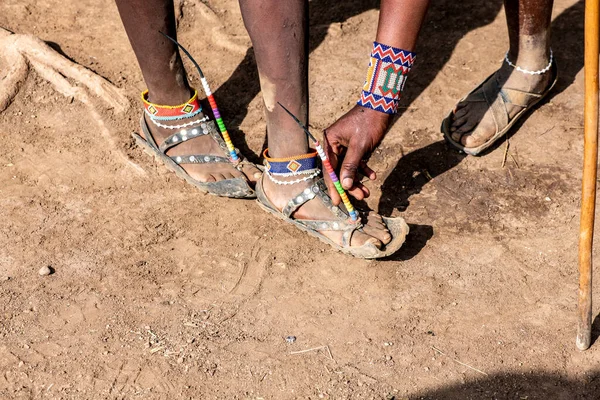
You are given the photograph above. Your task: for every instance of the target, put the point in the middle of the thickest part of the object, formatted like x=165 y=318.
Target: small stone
x=426 y=368
x=290 y=339
x=45 y=270
x=388 y=358
x=548 y=199
x=180 y=360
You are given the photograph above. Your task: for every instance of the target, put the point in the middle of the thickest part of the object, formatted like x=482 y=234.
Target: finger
x=367 y=171
x=354 y=154
x=333 y=193
x=359 y=191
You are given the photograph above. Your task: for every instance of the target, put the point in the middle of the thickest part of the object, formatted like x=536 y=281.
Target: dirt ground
x=161 y=292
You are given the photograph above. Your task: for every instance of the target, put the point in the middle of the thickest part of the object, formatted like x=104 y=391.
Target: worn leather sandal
x=397 y=226
x=496 y=98
x=235 y=188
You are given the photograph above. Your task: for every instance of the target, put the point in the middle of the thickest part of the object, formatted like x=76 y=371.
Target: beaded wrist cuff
x=386 y=77
x=290 y=166
x=158 y=112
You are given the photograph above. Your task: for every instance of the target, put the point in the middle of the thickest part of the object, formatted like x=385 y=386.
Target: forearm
x=400 y=22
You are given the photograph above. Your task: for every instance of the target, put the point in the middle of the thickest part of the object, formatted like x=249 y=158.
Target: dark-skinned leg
x=278 y=32
x=165 y=77
x=529 y=34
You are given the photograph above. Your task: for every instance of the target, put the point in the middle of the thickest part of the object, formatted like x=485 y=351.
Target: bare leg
x=529 y=33
x=278 y=32
x=165 y=77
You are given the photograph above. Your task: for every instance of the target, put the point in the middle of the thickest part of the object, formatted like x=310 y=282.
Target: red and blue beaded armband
x=386 y=77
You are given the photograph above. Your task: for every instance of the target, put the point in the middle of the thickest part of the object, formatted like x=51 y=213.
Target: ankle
x=531 y=54
x=172 y=95
x=291 y=146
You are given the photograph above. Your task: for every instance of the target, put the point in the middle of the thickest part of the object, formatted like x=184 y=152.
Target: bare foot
x=203 y=144
x=473 y=123
x=373 y=231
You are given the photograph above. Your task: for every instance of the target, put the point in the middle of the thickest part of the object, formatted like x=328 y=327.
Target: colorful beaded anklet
x=157 y=112
x=305 y=164
x=165 y=113
x=386 y=77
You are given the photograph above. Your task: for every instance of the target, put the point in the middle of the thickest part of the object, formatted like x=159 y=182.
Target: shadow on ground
x=511 y=386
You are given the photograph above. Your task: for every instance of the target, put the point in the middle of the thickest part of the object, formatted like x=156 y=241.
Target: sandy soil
x=160 y=292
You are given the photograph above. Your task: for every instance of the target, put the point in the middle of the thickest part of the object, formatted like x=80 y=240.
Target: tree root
x=22 y=52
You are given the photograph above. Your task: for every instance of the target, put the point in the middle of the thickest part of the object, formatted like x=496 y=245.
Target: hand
x=350 y=140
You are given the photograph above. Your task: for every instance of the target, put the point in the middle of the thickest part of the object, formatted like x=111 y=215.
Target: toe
x=456 y=136
x=461 y=113
x=252 y=173
x=218 y=177
x=207 y=178
x=458 y=122
x=362 y=238
x=376 y=228
x=467 y=127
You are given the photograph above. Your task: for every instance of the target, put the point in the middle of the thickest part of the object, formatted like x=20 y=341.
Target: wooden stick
x=590 y=159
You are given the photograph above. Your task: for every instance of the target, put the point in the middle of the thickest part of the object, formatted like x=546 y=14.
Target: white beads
x=528 y=72
x=306 y=178
x=194 y=132
x=177 y=126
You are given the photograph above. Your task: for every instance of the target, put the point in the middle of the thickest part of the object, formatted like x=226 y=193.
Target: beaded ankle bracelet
x=528 y=72
x=305 y=164
x=189 y=109
x=386 y=77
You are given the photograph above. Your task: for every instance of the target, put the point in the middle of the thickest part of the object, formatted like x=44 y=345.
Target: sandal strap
x=319 y=225
x=323 y=194
x=495 y=101
x=182 y=136
x=519 y=97
x=299 y=200
x=199 y=159
x=497 y=98
x=319 y=190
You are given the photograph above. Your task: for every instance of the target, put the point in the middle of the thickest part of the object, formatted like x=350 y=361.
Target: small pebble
x=45 y=271
x=290 y=339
